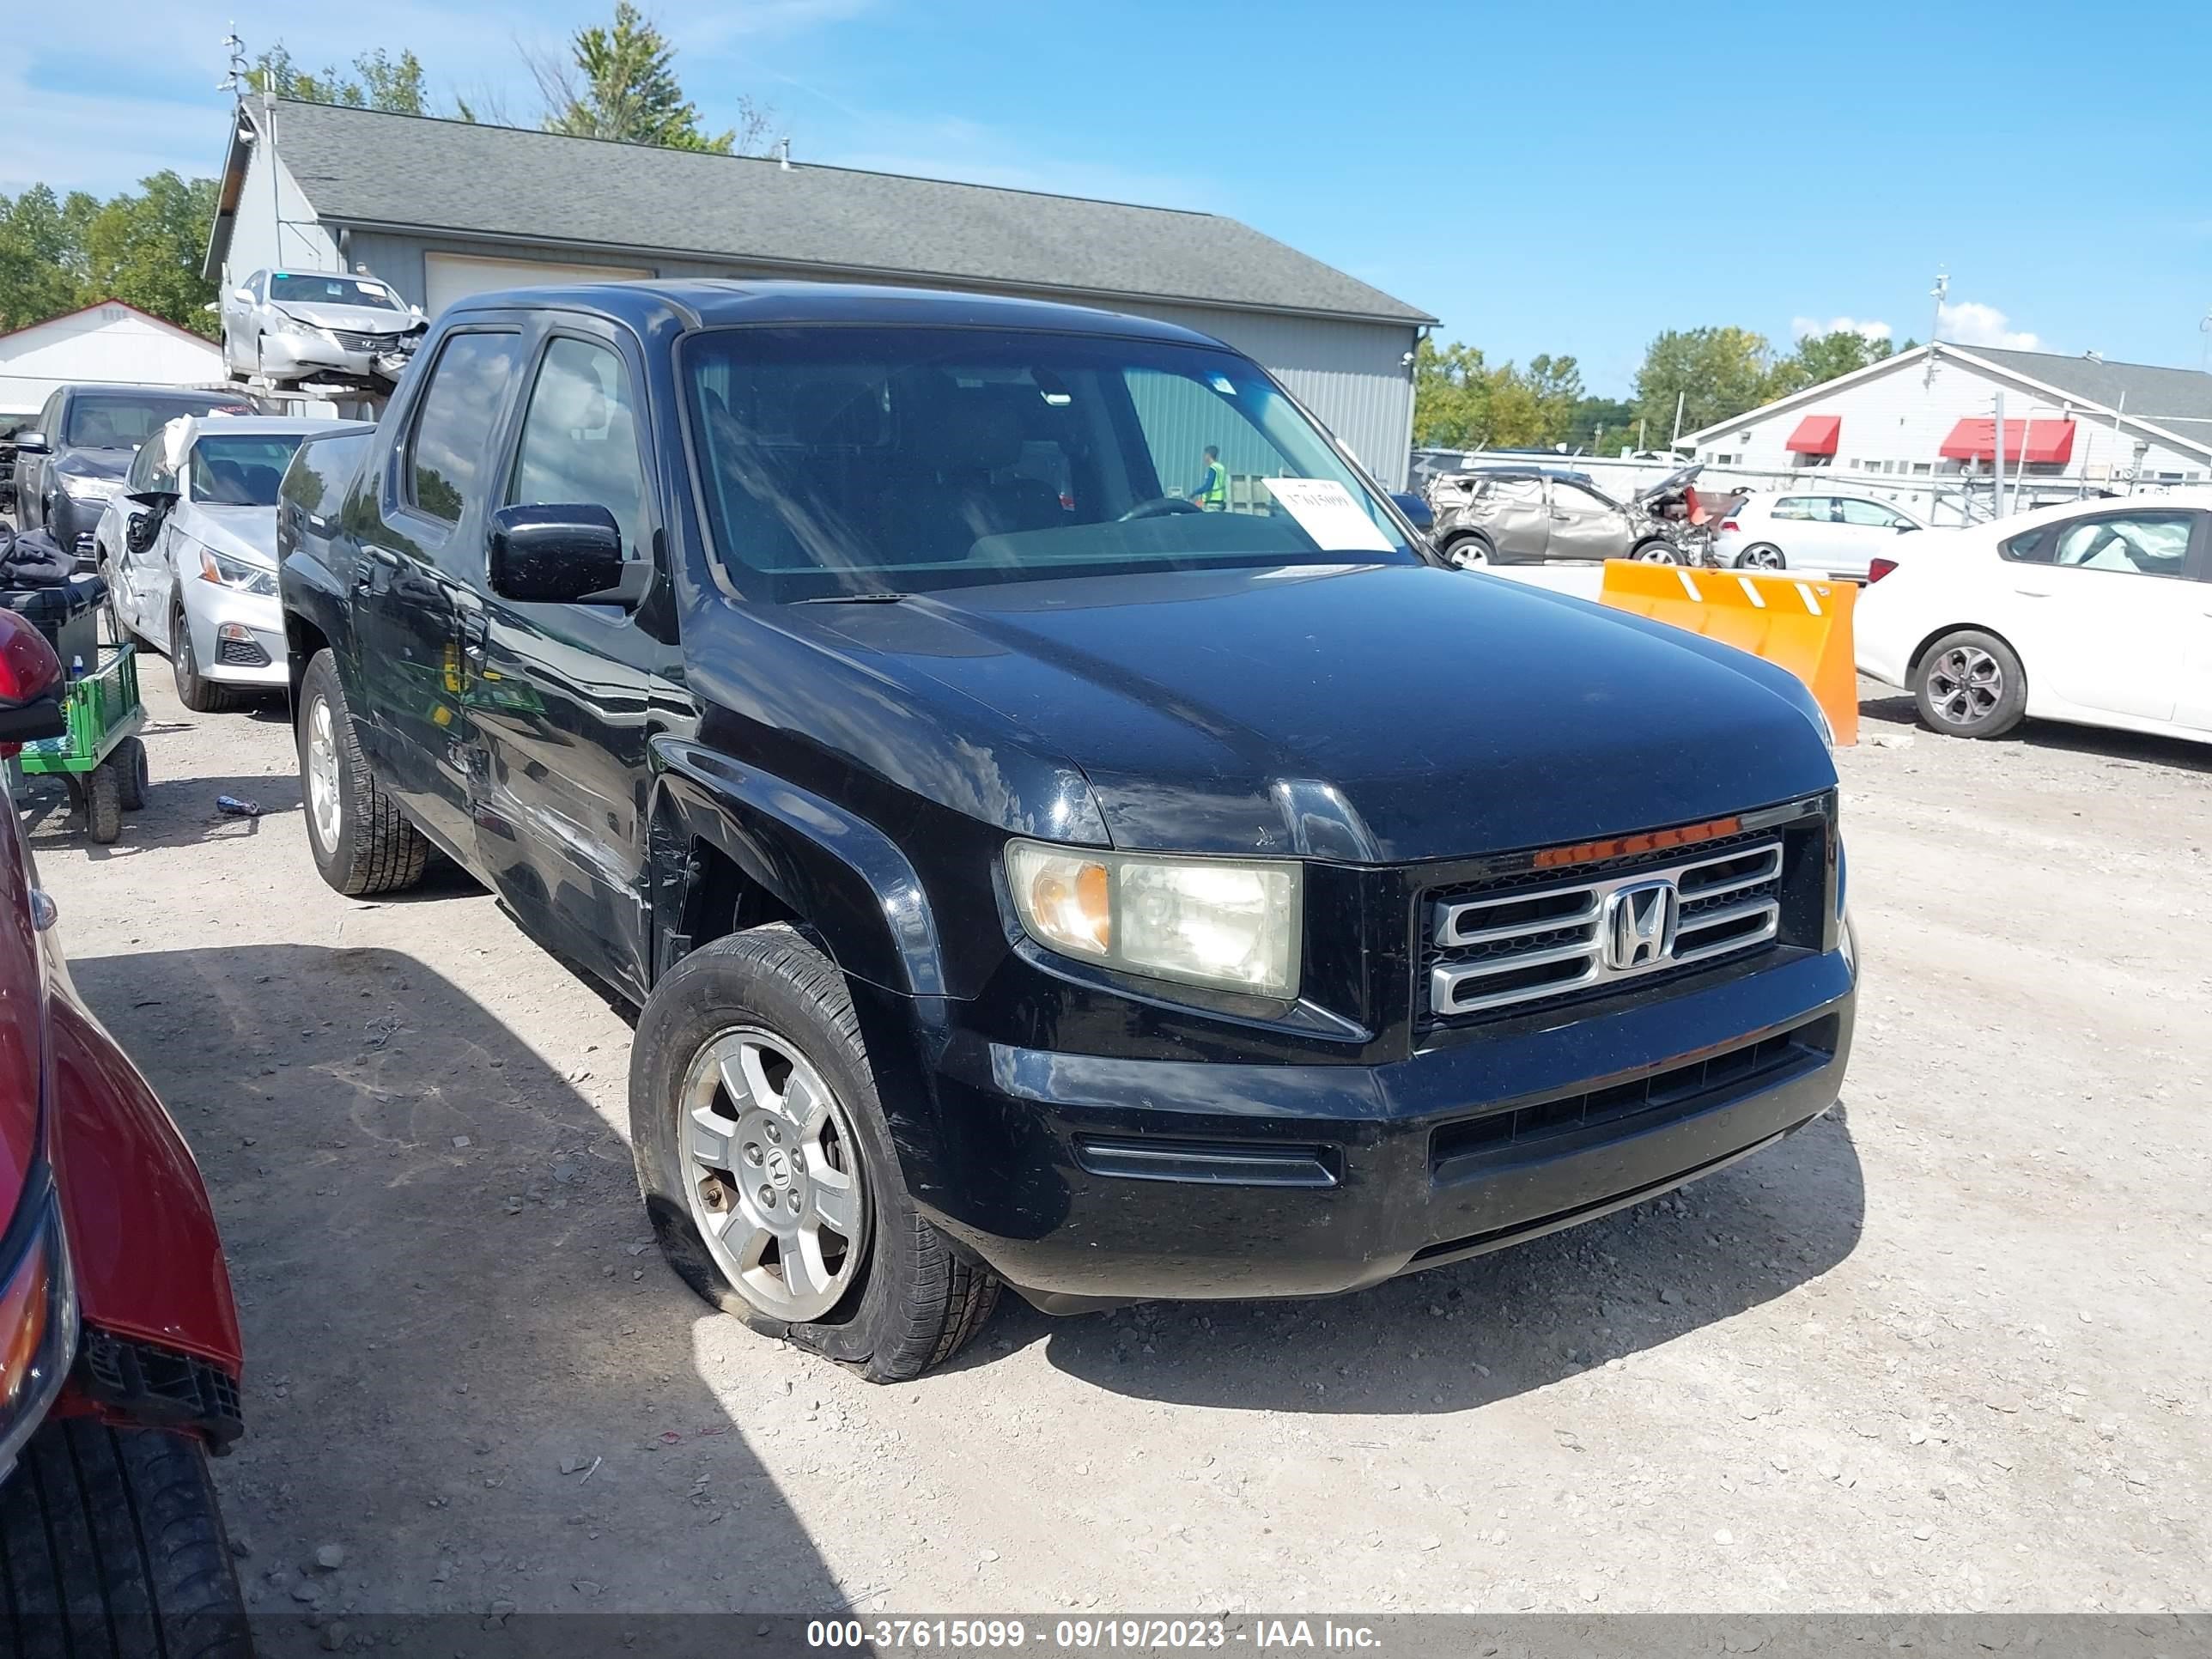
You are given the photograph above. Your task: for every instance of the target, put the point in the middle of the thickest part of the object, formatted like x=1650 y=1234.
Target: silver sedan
x=286 y=326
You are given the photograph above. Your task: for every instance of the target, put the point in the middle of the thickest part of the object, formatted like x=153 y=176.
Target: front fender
x=818 y=860
x=141 y=1234
x=314 y=594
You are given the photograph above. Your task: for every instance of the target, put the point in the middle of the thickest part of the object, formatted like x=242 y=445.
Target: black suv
x=1025 y=874
x=71 y=457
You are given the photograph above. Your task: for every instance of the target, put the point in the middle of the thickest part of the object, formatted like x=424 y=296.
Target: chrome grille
x=352 y=341
x=1494 y=950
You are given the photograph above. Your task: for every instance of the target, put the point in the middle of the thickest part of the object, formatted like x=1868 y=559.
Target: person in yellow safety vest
x=1212 y=494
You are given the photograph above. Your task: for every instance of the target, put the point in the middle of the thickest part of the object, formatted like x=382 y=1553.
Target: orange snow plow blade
x=1794 y=623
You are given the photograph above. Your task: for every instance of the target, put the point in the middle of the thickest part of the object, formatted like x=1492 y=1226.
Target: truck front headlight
x=80 y=487
x=1232 y=924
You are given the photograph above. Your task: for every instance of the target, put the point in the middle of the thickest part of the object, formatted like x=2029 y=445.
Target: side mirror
x=1415 y=509
x=138 y=531
x=1902 y=528
x=243 y=296
x=32 y=443
x=556 y=555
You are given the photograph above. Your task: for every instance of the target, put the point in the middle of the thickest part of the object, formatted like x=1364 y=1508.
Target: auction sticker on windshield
x=1325 y=511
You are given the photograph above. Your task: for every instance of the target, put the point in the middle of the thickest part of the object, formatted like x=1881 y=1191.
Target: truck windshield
x=120 y=421
x=842 y=461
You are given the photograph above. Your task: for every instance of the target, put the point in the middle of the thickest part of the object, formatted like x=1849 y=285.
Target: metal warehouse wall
x=1353 y=375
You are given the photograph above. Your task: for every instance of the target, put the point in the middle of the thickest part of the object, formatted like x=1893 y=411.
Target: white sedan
x=1826 y=530
x=2099 y=612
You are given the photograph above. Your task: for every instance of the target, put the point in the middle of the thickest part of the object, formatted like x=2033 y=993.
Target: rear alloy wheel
x=194 y=690
x=767 y=1168
x=1970 y=685
x=1470 y=552
x=1764 y=556
x=1657 y=553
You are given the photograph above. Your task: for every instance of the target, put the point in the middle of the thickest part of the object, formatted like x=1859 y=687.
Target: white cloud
x=1970 y=323
x=1804 y=327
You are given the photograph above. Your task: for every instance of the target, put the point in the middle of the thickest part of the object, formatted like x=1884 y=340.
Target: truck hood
x=1376 y=713
x=94 y=463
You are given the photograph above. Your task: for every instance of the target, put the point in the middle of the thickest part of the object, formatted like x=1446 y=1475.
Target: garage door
x=450 y=276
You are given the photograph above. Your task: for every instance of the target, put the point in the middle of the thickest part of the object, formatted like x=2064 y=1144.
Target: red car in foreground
x=120 y=1351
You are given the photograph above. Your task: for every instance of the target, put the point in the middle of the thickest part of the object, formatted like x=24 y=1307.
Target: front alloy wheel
x=1970 y=685
x=771 y=1167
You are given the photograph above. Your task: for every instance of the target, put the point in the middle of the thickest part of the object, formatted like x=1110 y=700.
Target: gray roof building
x=442 y=209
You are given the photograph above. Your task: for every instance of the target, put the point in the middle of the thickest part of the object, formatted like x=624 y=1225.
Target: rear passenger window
x=444 y=466
x=580 y=439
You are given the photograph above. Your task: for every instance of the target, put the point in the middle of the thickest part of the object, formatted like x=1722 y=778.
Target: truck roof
x=711 y=302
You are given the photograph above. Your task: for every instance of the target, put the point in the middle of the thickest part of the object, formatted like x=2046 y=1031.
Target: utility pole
x=1678 y=397
x=1939 y=293
x=1996 y=459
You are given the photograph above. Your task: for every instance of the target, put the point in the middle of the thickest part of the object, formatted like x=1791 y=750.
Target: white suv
x=1826 y=531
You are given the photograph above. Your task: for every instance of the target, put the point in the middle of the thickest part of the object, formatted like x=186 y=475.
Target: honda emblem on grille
x=1639 y=924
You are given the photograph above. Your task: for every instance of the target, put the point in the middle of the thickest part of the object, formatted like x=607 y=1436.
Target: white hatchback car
x=2099 y=612
x=1829 y=531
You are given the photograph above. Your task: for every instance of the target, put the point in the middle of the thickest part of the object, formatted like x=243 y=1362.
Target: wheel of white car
x=1764 y=556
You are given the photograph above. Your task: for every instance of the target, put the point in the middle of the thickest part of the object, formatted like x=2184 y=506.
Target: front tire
x=754 y=1114
x=1970 y=685
x=1657 y=553
x=360 y=842
x=194 y=690
x=115 y=1548
x=103 y=803
x=131 y=778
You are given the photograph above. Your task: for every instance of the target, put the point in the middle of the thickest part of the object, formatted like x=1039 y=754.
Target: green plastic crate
x=103 y=709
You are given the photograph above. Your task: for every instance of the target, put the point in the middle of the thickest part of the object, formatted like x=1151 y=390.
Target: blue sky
x=1542 y=178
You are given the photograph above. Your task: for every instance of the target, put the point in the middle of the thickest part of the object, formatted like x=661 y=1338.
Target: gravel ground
x=1945 y=1350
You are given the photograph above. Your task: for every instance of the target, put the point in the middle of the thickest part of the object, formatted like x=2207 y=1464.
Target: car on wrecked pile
x=1538 y=514
x=119 y=1347
x=1046 y=882
x=286 y=326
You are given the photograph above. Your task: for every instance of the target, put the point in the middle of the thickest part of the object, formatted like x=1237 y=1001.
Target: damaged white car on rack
x=287 y=326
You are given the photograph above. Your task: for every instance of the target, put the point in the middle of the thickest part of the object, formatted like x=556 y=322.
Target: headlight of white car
x=79 y=488
x=227 y=572
x=1228 y=923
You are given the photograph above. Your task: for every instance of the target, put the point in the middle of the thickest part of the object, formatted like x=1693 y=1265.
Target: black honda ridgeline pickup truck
x=1025 y=874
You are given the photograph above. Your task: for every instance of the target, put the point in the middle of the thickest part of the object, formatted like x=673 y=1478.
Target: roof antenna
x=235 y=81
x=783 y=153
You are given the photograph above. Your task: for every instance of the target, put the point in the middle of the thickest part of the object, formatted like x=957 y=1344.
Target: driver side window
x=580 y=439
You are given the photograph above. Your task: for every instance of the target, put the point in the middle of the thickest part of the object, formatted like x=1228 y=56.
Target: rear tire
x=129 y=761
x=1970 y=685
x=913 y=1302
x=103 y=803
x=1764 y=556
x=361 y=841
x=1657 y=552
x=114 y=1549
x=1470 y=552
x=194 y=690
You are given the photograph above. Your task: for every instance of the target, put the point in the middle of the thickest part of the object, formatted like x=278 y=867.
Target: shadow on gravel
x=2121 y=748
x=1460 y=1337
x=465 y=1364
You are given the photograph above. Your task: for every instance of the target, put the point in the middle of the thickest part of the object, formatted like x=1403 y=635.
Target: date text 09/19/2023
x=1088 y=1634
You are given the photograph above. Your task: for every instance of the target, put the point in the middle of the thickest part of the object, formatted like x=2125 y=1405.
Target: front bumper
x=238 y=638
x=303 y=356
x=1082 y=1180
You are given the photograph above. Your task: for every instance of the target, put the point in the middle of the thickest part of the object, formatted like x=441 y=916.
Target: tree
x=1602 y=426
x=1717 y=372
x=1460 y=402
x=379 y=80
x=621 y=83
x=1821 y=358
x=145 y=250
x=43 y=268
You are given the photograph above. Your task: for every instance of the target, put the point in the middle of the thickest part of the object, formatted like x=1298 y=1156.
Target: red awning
x=2049 y=443
x=1816 y=435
